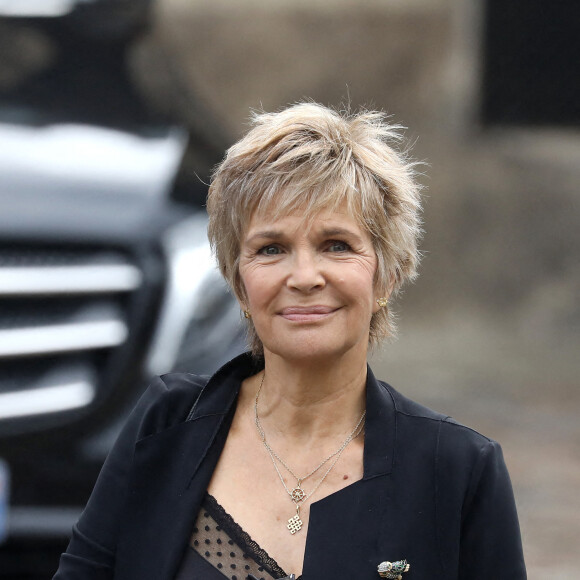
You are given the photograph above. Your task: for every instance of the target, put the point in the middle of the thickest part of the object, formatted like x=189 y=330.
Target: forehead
x=326 y=220
x=299 y=197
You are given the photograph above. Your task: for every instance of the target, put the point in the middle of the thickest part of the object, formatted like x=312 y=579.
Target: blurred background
x=112 y=113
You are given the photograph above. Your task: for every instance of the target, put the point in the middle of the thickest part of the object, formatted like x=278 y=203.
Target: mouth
x=307 y=313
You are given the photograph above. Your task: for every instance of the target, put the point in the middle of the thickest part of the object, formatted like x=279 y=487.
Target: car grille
x=63 y=313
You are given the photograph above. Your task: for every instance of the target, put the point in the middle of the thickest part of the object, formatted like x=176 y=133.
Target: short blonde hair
x=310 y=157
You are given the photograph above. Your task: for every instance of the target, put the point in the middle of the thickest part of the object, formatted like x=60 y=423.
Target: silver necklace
x=298 y=494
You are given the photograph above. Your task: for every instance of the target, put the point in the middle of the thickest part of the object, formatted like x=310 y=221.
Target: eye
x=337 y=246
x=270 y=250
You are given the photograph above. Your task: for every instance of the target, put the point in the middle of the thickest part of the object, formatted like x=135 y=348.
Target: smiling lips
x=306 y=313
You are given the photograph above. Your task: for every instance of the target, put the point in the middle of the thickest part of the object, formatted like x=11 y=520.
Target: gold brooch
x=393 y=569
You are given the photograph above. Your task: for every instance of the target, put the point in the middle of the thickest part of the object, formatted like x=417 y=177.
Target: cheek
x=368 y=276
x=246 y=286
x=369 y=291
x=257 y=287
x=362 y=289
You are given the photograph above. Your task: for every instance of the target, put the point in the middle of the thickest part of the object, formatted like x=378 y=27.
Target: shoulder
x=453 y=441
x=183 y=388
x=458 y=461
x=455 y=479
x=166 y=402
x=176 y=398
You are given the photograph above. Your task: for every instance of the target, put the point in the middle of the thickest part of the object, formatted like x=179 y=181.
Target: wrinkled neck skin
x=311 y=400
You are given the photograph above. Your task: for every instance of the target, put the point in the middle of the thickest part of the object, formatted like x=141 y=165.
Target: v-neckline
x=241 y=538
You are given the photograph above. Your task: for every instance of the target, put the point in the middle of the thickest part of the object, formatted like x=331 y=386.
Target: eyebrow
x=336 y=231
x=265 y=235
x=326 y=232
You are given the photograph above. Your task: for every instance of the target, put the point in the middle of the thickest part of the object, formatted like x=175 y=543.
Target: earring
x=382 y=302
x=247 y=314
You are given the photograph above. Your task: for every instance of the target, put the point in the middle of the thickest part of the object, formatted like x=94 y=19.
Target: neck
x=311 y=400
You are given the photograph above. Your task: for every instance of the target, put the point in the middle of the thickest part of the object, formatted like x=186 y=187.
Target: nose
x=305 y=272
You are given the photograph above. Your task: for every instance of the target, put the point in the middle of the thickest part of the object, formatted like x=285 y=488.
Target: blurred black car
x=106 y=276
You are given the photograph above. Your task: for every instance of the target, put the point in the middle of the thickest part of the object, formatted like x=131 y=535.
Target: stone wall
x=491 y=330
x=501 y=206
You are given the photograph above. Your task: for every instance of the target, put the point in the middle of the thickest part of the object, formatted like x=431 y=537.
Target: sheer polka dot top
x=231 y=552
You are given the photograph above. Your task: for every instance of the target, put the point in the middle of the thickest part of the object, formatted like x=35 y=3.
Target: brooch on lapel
x=291 y=577
x=393 y=569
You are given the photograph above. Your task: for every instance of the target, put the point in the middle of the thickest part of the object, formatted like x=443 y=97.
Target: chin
x=307 y=351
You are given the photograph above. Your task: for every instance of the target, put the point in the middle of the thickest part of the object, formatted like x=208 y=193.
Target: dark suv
x=106 y=276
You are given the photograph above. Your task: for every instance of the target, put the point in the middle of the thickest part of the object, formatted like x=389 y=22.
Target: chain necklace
x=297 y=494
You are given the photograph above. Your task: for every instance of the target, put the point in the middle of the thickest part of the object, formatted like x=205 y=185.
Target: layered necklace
x=297 y=494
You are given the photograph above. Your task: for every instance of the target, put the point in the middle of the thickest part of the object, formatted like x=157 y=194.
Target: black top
x=218 y=542
x=433 y=492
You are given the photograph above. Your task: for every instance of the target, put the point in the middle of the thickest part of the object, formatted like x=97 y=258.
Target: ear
x=243 y=303
x=382 y=292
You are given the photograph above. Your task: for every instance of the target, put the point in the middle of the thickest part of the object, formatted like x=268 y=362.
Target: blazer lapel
x=351 y=531
x=344 y=538
x=171 y=472
x=170 y=475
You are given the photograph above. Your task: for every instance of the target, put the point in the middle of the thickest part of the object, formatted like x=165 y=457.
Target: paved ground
x=524 y=396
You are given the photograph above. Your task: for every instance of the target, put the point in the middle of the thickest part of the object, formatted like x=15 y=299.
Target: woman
x=293 y=459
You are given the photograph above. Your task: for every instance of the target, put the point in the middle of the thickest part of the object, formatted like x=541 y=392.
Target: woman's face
x=309 y=285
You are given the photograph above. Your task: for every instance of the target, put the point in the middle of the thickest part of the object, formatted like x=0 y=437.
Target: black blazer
x=434 y=492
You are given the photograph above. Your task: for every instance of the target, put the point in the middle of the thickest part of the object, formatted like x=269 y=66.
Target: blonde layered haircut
x=307 y=158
